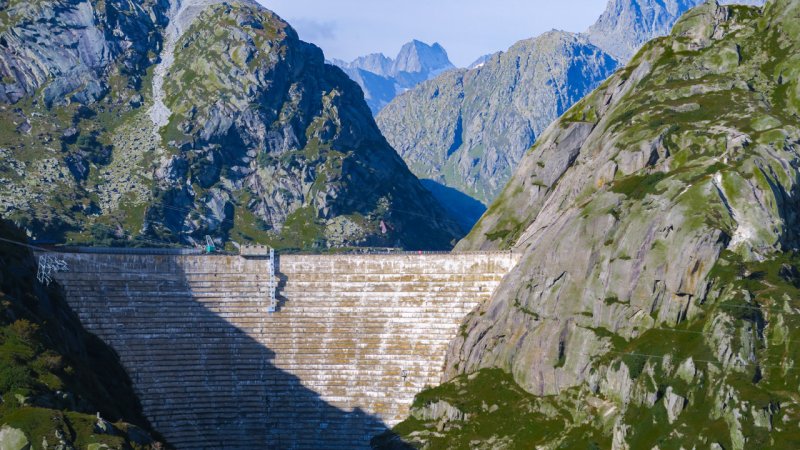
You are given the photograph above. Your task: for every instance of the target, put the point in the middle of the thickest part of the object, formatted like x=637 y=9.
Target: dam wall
x=354 y=338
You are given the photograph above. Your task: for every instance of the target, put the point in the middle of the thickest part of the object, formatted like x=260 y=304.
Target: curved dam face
x=353 y=339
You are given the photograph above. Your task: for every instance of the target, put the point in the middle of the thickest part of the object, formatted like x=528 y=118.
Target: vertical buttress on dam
x=353 y=339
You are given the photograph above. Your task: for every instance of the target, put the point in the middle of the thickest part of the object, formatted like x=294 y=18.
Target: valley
x=211 y=236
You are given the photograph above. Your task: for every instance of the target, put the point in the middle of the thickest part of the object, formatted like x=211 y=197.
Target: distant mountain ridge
x=626 y=25
x=383 y=78
x=466 y=129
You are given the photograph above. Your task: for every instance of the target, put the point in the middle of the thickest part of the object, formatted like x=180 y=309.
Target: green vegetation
x=525 y=310
x=636 y=187
x=583 y=111
x=303 y=230
x=499 y=412
x=497 y=235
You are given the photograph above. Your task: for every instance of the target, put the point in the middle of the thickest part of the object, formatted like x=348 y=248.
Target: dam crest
x=353 y=338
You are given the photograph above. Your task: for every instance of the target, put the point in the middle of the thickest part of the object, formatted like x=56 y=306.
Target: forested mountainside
x=255 y=137
x=61 y=387
x=469 y=129
x=657 y=301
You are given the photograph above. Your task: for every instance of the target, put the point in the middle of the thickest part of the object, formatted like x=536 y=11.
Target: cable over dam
x=353 y=338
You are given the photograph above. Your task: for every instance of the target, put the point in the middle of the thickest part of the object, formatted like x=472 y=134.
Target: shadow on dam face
x=215 y=370
x=203 y=381
x=234 y=397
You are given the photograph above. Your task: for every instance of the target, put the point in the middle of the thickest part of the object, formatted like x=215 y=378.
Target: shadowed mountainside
x=54 y=376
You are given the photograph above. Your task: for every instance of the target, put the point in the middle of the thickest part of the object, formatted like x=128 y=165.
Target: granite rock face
x=66 y=47
x=255 y=137
x=628 y=205
x=656 y=296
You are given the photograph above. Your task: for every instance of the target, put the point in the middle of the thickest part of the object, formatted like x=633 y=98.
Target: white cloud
x=314 y=30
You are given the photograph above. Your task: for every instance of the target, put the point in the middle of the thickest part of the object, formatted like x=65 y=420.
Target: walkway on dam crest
x=354 y=339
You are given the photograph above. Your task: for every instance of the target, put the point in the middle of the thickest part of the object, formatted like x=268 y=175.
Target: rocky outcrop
x=657 y=222
x=439 y=410
x=612 y=221
x=13 y=439
x=64 y=50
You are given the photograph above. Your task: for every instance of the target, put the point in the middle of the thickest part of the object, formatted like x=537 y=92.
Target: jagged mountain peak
x=482 y=60
x=419 y=57
x=415 y=57
x=383 y=78
x=376 y=63
x=627 y=24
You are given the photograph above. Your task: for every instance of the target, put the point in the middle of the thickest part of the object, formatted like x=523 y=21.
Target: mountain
x=382 y=78
x=419 y=58
x=61 y=386
x=376 y=63
x=157 y=124
x=657 y=299
x=469 y=131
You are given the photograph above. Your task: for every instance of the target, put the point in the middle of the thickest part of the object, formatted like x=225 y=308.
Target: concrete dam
x=353 y=339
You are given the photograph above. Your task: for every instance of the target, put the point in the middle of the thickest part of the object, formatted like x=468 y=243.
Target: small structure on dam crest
x=352 y=338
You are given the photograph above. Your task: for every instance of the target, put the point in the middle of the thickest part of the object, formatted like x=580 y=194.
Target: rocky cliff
x=255 y=137
x=655 y=304
x=61 y=387
x=383 y=78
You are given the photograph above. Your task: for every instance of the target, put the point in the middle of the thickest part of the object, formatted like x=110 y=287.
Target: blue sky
x=467 y=29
